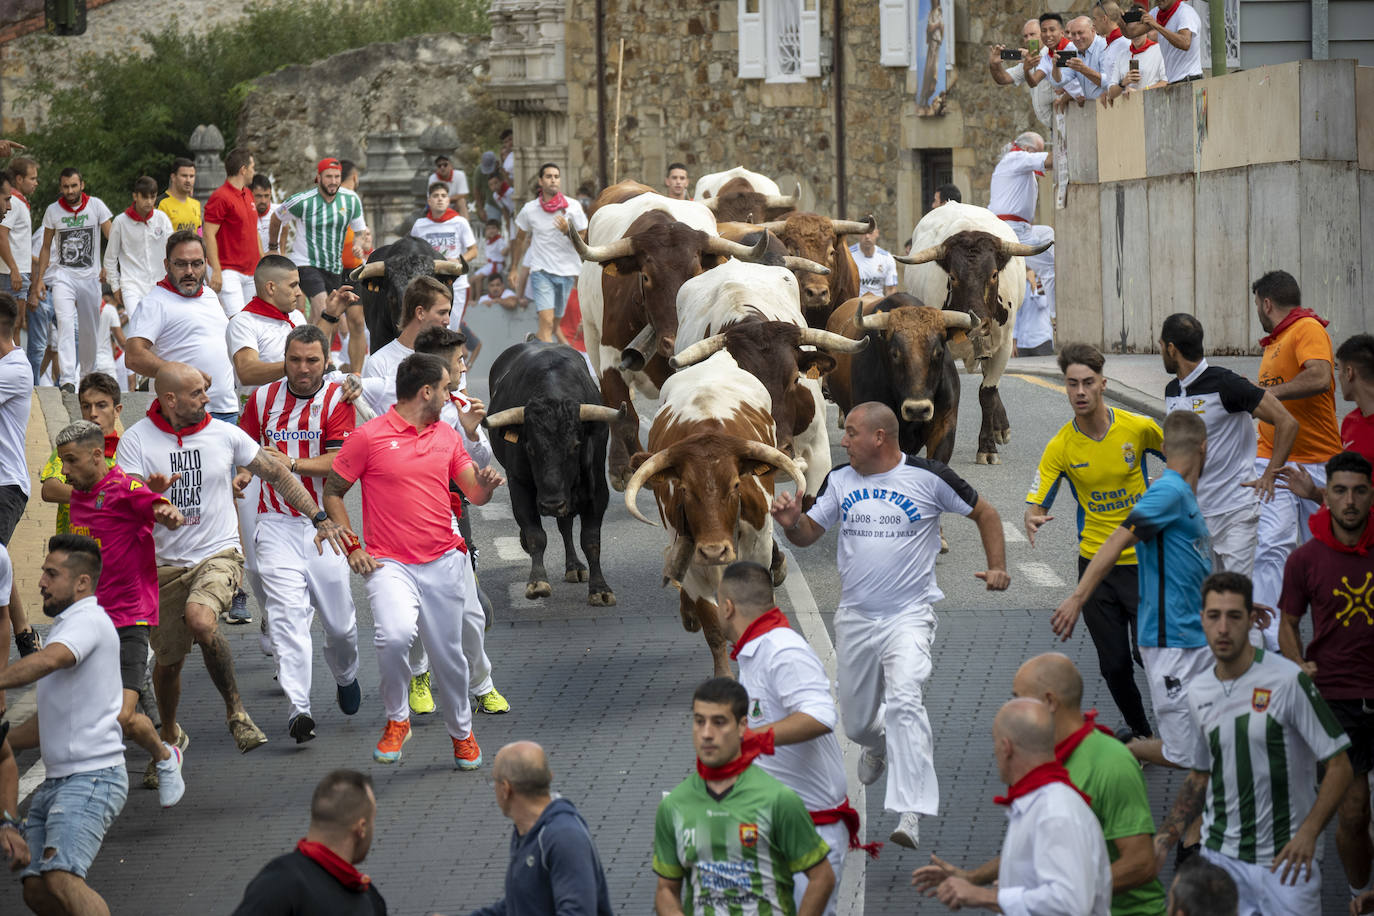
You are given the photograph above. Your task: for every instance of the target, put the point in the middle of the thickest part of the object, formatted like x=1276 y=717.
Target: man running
x=415 y=571
x=731 y=833
x=99 y=397
x=1101 y=453
x=180 y=204
x=545 y=253
x=887 y=506
x=232 y=246
x=426 y=303
x=322 y=215
x=308 y=420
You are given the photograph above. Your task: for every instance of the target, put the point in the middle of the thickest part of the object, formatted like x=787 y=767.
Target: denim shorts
x=550 y=291
x=70 y=816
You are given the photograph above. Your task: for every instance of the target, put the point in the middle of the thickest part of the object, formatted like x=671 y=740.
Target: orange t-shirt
x=1318 y=436
x=349 y=262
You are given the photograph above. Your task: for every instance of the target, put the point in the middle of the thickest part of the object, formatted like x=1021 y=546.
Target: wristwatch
x=321 y=516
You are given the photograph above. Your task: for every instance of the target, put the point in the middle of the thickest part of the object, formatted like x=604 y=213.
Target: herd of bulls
x=739 y=329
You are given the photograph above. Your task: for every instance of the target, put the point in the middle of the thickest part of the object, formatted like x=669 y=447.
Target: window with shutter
x=810 y=38
x=752 y=47
x=784 y=41
x=894 y=32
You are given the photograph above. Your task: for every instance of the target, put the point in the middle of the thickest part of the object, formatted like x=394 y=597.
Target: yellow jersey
x=183 y=214
x=1107 y=476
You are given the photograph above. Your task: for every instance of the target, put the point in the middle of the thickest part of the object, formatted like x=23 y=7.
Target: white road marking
x=22 y=708
x=31 y=779
x=508 y=548
x=1041 y=575
x=1013 y=533
x=850 y=894
x=494 y=511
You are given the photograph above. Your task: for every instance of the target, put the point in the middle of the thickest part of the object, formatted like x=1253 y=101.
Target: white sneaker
x=871 y=766
x=170 y=784
x=908 y=832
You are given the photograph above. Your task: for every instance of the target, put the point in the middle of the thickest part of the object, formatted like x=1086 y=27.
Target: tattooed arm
x=1187 y=808
x=335 y=487
x=288 y=487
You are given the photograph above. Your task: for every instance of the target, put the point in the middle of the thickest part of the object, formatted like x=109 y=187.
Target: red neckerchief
x=1288 y=319
x=1320 y=523
x=1143 y=48
x=754 y=744
x=1164 y=17
x=21 y=197
x=1038 y=778
x=769 y=620
x=167 y=284
x=460 y=402
x=77 y=209
x=111 y=444
x=1063 y=43
x=260 y=306
x=845 y=813
x=341 y=871
x=559 y=202
x=1113 y=35
x=1064 y=749
x=133 y=214
x=161 y=422
x=449 y=214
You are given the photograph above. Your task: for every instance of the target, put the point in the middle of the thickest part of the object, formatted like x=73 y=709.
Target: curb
x=1128 y=397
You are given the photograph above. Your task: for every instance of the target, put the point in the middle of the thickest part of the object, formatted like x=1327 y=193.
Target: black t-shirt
x=293 y=885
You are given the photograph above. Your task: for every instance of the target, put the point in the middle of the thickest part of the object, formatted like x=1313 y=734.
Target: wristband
x=332 y=319
x=352 y=545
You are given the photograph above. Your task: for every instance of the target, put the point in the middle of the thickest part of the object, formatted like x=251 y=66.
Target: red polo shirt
x=232 y=210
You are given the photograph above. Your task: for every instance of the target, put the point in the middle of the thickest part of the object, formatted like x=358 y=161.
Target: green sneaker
x=421 y=700
x=491 y=703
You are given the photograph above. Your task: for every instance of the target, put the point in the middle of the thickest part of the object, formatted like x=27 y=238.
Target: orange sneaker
x=466 y=754
x=394 y=736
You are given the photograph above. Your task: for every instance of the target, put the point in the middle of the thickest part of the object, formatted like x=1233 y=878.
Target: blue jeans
x=39 y=326
x=227 y=416
x=550 y=291
x=70 y=816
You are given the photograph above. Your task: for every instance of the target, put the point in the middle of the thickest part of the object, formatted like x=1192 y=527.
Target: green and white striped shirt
x=1260 y=736
x=320 y=226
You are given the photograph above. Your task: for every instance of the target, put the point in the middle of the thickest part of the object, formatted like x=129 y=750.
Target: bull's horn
x=512 y=416
x=773 y=225
x=651 y=466
x=369 y=270
x=596 y=413
x=702 y=349
x=792 y=262
x=933 y=253
x=846 y=226
x=711 y=203
x=601 y=253
x=956 y=319
x=636 y=354
x=751 y=253
x=769 y=455
x=875 y=322
x=829 y=340
x=1022 y=250
x=444 y=268
x=783 y=200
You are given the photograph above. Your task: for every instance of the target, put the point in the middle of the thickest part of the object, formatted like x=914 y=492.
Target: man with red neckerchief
x=1106 y=772
x=133 y=256
x=1355 y=371
x=1054 y=858
x=704 y=826
x=1180 y=38
x=789 y=695
x=320 y=877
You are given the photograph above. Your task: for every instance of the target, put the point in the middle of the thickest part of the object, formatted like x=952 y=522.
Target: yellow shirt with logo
x=1107 y=476
x=183 y=214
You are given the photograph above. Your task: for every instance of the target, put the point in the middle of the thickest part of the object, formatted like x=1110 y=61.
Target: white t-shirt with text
x=875 y=273
x=451 y=237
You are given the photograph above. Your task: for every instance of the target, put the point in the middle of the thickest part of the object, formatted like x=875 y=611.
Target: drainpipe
x=837 y=84
x=601 y=170
x=1320 y=30
x=1216 y=21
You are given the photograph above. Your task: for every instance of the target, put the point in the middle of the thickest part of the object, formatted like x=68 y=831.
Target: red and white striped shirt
x=298 y=427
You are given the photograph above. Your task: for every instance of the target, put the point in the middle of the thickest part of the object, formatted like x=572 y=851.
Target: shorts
x=1040 y=349
x=1169 y=672
x=473 y=341
x=315 y=281
x=133 y=655
x=70 y=816
x=550 y=291
x=13 y=500
x=211 y=582
x=1357 y=718
x=1233 y=535
x=1261 y=892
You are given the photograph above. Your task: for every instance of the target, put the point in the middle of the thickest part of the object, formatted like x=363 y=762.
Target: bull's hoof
x=1003 y=436
x=540 y=589
x=689 y=621
x=576 y=573
x=619 y=478
x=988 y=458
x=779 y=572
x=601 y=599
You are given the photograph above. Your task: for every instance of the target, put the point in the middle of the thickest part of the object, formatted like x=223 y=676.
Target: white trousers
x=837 y=837
x=298 y=581
x=1233 y=535
x=1261 y=892
x=474 y=644
x=235 y=290
x=884 y=661
x=247 y=509
x=425 y=600
x=76 y=304
x=1043 y=263
x=1282 y=529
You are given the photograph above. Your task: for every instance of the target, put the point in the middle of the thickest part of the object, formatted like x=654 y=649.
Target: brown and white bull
x=711 y=463
x=710 y=185
x=821 y=239
x=738 y=200
x=966 y=259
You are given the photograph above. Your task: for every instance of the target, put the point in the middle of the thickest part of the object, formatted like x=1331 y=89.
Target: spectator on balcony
x=1090 y=64
x=1013 y=196
x=1052 y=40
x=1141 y=68
x=1042 y=94
x=1177 y=26
x=1105 y=14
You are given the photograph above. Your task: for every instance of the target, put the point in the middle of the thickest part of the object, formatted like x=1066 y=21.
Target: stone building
x=821 y=93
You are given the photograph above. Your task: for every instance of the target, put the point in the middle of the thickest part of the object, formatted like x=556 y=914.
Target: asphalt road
x=606 y=691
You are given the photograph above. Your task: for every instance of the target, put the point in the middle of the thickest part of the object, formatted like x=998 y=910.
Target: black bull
x=549 y=431
x=381 y=283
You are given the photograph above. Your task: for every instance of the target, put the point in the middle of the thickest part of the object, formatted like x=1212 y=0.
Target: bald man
x=1091 y=63
x=1042 y=94
x=553 y=867
x=199 y=564
x=887 y=506
x=1054 y=858
x=1106 y=772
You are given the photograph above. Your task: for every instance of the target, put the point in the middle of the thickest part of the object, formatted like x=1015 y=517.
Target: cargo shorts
x=211 y=582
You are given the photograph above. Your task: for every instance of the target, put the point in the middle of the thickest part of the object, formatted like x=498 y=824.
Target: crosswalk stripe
x=1040 y=575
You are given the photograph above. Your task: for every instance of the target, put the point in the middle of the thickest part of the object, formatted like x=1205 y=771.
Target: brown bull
x=619 y=193
x=738 y=201
x=821 y=239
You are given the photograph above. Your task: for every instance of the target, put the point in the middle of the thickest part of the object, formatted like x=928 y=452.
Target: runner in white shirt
x=16 y=229
x=105 y=342
x=261 y=186
x=138 y=246
x=1014 y=193
x=427 y=303
x=789 y=695
x=454 y=181
x=552 y=261
x=450 y=234
x=16 y=401
x=199 y=564
x=887 y=507
x=181 y=320
x=1179 y=31
x=76 y=222
x=877 y=269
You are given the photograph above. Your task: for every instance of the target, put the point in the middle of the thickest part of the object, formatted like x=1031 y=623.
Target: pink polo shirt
x=405 y=475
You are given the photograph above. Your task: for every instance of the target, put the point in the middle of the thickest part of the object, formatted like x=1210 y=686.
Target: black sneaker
x=27 y=642
x=302 y=728
x=238 y=609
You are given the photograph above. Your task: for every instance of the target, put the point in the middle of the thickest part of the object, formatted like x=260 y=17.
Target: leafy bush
x=131 y=114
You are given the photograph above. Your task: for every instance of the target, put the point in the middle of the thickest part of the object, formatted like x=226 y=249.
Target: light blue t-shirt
x=1174 y=557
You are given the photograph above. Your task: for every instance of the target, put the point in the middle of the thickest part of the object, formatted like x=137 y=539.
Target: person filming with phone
x=1008 y=68
x=1141 y=68
x=1088 y=65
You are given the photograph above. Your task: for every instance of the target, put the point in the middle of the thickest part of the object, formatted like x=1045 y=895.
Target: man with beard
x=261 y=186
x=320 y=217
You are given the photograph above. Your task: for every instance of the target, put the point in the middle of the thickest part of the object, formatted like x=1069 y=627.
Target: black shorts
x=12 y=503
x=315 y=281
x=1357 y=718
x=133 y=655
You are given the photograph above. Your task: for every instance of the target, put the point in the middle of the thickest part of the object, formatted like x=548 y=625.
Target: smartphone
x=1066 y=55
x=1010 y=54
x=1134 y=14
x=1033 y=47
x=1134 y=66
